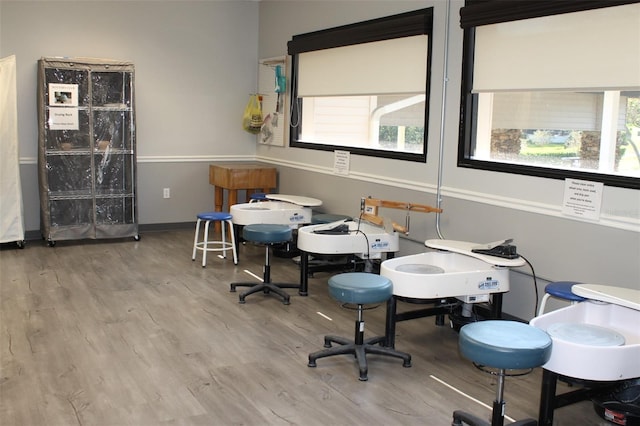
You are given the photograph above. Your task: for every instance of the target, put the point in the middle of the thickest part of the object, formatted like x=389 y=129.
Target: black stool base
x=360 y=351
x=461 y=418
x=266 y=288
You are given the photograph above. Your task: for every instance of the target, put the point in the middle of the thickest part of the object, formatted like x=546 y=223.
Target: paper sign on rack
x=63 y=119
x=61 y=94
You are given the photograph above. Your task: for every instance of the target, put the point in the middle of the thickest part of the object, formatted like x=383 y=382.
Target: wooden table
x=239 y=176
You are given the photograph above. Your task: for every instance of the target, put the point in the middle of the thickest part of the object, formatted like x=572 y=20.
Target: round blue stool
x=258 y=196
x=207 y=245
x=359 y=288
x=267 y=235
x=560 y=290
x=501 y=345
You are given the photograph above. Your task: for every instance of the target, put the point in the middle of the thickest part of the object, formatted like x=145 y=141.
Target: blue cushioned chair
x=267 y=235
x=359 y=288
x=501 y=345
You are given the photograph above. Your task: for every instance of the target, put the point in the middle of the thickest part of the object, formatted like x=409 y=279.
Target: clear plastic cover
x=87 y=159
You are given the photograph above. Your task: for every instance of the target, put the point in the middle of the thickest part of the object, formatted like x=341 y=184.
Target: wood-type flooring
x=128 y=332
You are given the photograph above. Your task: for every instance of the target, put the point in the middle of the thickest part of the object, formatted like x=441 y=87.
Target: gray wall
x=195 y=67
x=478 y=205
x=196 y=63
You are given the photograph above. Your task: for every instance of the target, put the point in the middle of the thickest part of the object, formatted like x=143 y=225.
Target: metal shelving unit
x=87 y=149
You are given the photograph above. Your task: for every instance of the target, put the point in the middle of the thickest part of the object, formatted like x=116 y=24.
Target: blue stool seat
x=207 y=245
x=359 y=288
x=320 y=218
x=214 y=216
x=562 y=290
x=503 y=345
x=268 y=235
x=559 y=290
x=258 y=196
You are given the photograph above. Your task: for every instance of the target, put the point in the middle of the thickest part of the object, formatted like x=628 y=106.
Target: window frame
x=484 y=12
x=407 y=24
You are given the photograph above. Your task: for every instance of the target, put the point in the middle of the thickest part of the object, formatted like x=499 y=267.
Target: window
x=364 y=87
x=552 y=89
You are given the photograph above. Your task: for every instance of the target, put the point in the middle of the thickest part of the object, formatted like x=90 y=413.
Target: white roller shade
x=595 y=49
x=394 y=66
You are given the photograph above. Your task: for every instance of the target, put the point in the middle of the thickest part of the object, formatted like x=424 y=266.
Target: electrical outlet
x=166 y=193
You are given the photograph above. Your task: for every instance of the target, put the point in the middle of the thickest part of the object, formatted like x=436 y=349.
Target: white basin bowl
x=363 y=238
x=580 y=359
x=438 y=274
x=276 y=212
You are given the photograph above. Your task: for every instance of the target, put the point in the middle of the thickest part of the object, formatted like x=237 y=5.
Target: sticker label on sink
x=379 y=245
x=296 y=218
x=489 y=284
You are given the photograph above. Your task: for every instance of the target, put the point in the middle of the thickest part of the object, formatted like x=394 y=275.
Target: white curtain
x=11 y=217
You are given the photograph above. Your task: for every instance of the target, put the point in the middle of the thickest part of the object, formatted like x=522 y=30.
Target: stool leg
x=330 y=338
x=361 y=355
x=224 y=240
x=497 y=417
x=195 y=240
x=266 y=286
x=267 y=266
x=359 y=347
x=359 y=334
x=461 y=418
x=233 y=242
x=204 y=243
x=543 y=303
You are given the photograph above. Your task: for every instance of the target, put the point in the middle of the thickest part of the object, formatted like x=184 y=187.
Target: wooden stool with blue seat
x=359 y=288
x=268 y=235
x=501 y=345
x=207 y=245
x=560 y=290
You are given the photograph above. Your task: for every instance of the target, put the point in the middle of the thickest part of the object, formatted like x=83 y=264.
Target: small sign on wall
x=582 y=198
x=341 y=162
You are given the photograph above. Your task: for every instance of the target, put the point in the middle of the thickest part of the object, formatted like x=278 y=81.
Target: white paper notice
x=61 y=94
x=582 y=198
x=341 y=162
x=63 y=119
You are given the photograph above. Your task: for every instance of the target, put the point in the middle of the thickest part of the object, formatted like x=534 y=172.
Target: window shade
x=483 y=12
x=593 y=50
x=395 y=66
